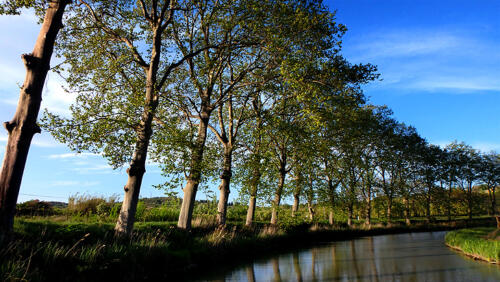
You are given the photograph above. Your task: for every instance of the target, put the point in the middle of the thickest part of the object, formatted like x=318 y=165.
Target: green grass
x=43 y=249
x=473 y=242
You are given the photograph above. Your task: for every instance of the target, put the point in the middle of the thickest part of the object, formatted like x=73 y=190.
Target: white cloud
x=457 y=83
x=71 y=155
x=95 y=169
x=55 y=98
x=392 y=44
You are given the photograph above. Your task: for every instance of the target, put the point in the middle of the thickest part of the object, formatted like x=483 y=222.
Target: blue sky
x=438 y=60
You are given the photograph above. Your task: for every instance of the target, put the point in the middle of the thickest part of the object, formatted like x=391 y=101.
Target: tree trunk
x=389 y=210
x=349 y=214
x=428 y=204
x=368 y=204
x=469 y=200
x=23 y=125
x=449 y=203
x=253 y=195
x=126 y=219
x=331 y=195
x=136 y=171
x=186 y=212
x=311 y=210
x=406 y=203
x=368 y=214
x=296 y=194
x=224 y=186
x=493 y=201
x=254 y=183
x=251 y=211
x=277 y=196
x=296 y=203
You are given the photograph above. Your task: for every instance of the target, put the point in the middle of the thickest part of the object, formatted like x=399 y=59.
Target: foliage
x=35 y=208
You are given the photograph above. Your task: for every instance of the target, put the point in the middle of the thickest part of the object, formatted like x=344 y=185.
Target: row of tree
x=252 y=92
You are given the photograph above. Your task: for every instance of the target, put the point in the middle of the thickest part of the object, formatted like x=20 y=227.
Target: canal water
x=400 y=257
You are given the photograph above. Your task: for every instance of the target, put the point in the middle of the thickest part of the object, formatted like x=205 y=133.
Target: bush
x=34 y=208
x=88 y=205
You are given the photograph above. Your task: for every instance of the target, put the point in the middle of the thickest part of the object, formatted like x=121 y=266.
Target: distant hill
x=60 y=205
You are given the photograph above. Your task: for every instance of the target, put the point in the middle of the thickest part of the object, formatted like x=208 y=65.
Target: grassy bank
x=45 y=250
x=473 y=242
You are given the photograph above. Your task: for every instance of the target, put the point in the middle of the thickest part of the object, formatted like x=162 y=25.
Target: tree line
x=252 y=93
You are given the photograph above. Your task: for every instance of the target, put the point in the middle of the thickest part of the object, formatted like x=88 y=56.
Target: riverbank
x=81 y=252
x=474 y=243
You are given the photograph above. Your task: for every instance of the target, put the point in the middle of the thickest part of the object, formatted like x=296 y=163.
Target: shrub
x=34 y=208
x=88 y=205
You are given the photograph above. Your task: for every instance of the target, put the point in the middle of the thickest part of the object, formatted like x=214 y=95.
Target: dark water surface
x=400 y=257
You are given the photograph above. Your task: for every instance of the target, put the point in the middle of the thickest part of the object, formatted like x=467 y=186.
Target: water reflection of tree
x=276 y=269
x=314 y=251
x=355 y=259
x=372 y=259
x=250 y=273
x=296 y=266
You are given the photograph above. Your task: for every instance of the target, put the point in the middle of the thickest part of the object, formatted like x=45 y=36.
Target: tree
x=489 y=172
x=120 y=83
x=23 y=125
x=468 y=170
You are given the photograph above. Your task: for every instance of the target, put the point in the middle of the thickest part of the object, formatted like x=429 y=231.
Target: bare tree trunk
x=449 y=202
x=126 y=219
x=493 y=201
x=296 y=194
x=224 y=186
x=310 y=209
x=250 y=211
x=254 y=183
x=428 y=204
x=296 y=203
x=253 y=195
x=368 y=214
x=277 y=196
x=349 y=214
x=469 y=200
x=331 y=195
x=389 y=210
x=406 y=203
x=23 y=125
x=368 y=203
x=136 y=171
x=186 y=212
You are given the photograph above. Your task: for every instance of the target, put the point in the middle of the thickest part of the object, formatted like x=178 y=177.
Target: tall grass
x=474 y=242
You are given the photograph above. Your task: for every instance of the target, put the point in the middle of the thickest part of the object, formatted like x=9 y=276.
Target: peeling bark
x=277 y=196
x=194 y=177
x=296 y=203
x=23 y=125
x=126 y=218
x=224 y=186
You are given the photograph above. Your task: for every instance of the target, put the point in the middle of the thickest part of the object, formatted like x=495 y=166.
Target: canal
x=399 y=257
